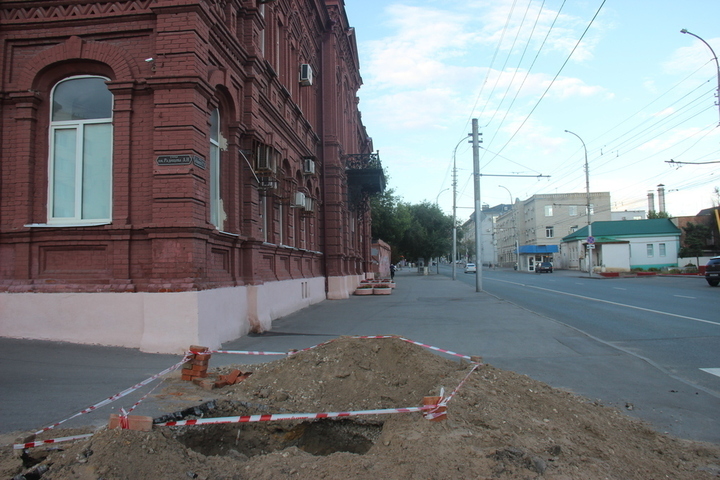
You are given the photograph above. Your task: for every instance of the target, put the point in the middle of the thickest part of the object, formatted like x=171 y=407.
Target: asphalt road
x=671 y=322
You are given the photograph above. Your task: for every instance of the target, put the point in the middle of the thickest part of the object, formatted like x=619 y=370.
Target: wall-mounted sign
x=181 y=160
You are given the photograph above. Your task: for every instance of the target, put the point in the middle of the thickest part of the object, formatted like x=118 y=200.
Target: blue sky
x=618 y=73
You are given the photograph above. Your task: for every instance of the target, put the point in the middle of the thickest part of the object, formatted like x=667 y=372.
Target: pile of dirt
x=499 y=425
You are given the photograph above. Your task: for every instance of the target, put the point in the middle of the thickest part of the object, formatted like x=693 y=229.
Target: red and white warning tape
x=291 y=416
x=116 y=396
x=292 y=352
x=246 y=352
x=39 y=443
x=430 y=410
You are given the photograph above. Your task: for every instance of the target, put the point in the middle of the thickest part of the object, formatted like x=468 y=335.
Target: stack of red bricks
x=197 y=365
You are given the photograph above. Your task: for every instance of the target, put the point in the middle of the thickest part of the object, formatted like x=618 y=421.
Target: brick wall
x=160 y=237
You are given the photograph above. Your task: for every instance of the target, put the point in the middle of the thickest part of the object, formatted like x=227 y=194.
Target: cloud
x=687 y=59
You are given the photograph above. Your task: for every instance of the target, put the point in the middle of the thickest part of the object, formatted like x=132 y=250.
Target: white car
x=470 y=268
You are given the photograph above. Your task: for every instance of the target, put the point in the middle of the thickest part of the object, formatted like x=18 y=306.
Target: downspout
x=323 y=171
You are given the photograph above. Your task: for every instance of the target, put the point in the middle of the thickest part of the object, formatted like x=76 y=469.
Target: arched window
x=81 y=140
x=216 y=209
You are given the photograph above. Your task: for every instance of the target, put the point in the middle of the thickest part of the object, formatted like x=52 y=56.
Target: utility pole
x=478 y=229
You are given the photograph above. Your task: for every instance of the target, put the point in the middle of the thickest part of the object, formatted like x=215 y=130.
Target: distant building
x=620 y=215
x=621 y=246
x=709 y=217
x=537 y=225
x=178 y=172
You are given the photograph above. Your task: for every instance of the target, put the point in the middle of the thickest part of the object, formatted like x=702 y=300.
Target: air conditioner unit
x=309 y=204
x=264 y=158
x=306 y=75
x=308 y=166
x=299 y=200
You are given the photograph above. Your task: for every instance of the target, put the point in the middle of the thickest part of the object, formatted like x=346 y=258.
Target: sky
x=619 y=74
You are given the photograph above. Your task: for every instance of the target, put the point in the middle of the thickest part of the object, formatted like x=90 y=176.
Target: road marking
x=618 y=288
x=712 y=371
x=613 y=303
x=684 y=296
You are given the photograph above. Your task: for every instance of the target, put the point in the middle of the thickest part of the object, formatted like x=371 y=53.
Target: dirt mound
x=500 y=425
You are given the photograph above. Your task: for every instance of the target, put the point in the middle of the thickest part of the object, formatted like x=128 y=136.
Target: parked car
x=712 y=272
x=543 y=267
x=470 y=268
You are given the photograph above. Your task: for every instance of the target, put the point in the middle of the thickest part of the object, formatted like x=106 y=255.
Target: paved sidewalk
x=44 y=382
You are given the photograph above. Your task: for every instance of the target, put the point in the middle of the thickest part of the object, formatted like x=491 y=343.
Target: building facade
x=621 y=246
x=178 y=172
x=532 y=230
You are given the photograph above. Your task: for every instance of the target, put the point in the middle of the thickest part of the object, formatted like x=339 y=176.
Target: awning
x=532 y=249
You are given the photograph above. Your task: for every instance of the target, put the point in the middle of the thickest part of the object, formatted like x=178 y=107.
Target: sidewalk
x=46 y=382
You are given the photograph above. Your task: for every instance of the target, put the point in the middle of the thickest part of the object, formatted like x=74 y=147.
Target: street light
x=590 y=246
x=514 y=219
x=717 y=64
x=454 y=219
x=437 y=199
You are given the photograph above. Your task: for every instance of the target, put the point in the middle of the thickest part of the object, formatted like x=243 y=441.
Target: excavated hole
x=317 y=437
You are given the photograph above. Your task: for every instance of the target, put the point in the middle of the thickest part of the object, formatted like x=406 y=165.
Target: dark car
x=543 y=267
x=712 y=272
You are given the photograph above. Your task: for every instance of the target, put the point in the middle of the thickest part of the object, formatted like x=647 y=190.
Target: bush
x=653 y=269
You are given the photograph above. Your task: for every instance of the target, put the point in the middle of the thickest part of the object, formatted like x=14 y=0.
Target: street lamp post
x=717 y=64
x=590 y=246
x=514 y=220
x=454 y=215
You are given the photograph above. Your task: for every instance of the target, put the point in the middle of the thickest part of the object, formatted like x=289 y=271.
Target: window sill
x=67 y=225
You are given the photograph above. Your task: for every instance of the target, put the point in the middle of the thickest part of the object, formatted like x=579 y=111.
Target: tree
x=412 y=231
x=653 y=214
x=695 y=241
x=390 y=220
x=430 y=233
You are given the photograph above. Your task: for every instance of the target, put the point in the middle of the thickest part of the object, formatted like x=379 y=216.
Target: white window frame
x=572 y=210
x=662 y=250
x=79 y=126
x=549 y=231
x=548 y=210
x=650 y=250
x=215 y=197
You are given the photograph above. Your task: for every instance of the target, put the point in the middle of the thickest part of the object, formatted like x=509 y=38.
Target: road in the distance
x=672 y=322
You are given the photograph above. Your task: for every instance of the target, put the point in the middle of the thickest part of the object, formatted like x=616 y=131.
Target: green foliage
x=430 y=233
x=696 y=237
x=654 y=214
x=412 y=231
x=390 y=218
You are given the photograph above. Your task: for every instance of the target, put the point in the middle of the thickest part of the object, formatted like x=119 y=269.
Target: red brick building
x=176 y=172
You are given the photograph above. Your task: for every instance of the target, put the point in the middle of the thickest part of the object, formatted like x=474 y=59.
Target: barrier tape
x=244 y=352
x=445 y=400
x=428 y=409
x=117 y=395
x=291 y=416
x=136 y=404
x=39 y=443
x=292 y=352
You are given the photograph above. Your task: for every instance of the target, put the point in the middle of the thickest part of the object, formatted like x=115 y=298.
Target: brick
x=135 y=422
x=204 y=383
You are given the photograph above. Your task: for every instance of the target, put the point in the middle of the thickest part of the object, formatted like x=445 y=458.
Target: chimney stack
x=651 y=201
x=661 y=198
